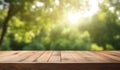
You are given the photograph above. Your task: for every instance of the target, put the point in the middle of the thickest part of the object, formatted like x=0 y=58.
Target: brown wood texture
x=59 y=60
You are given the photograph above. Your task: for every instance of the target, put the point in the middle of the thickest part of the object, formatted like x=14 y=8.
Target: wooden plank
x=118 y=52
x=33 y=57
x=16 y=58
x=5 y=58
x=7 y=53
x=58 y=66
x=44 y=58
x=59 y=57
x=109 y=57
x=78 y=58
x=99 y=58
x=55 y=57
x=88 y=57
x=113 y=53
x=66 y=57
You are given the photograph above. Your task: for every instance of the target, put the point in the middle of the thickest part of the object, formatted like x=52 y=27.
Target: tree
x=19 y=6
x=14 y=7
x=44 y=24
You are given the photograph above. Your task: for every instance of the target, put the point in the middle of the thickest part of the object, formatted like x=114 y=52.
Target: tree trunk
x=5 y=26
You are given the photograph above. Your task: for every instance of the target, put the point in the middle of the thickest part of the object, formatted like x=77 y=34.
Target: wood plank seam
x=35 y=60
x=50 y=56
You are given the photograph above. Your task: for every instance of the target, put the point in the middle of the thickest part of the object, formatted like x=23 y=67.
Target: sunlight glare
x=57 y=2
x=93 y=8
x=73 y=17
x=39 y=4
x=89 y=11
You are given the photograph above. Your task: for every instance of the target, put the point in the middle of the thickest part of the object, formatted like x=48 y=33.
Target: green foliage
x=96 y=47
x=43 y=25
x=6 y=44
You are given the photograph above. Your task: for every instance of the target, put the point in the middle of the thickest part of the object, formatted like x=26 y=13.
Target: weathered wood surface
x=59 y=60
x=59 y=57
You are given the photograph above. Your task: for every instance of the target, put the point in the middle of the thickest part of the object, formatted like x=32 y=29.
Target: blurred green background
x=60 y=24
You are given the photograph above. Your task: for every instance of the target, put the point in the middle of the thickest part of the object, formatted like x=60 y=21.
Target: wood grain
x=55 y=57
x=66 y=57
x=59 y=60
x=59 y=56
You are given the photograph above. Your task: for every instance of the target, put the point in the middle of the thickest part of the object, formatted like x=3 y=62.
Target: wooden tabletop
x=59 y=56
